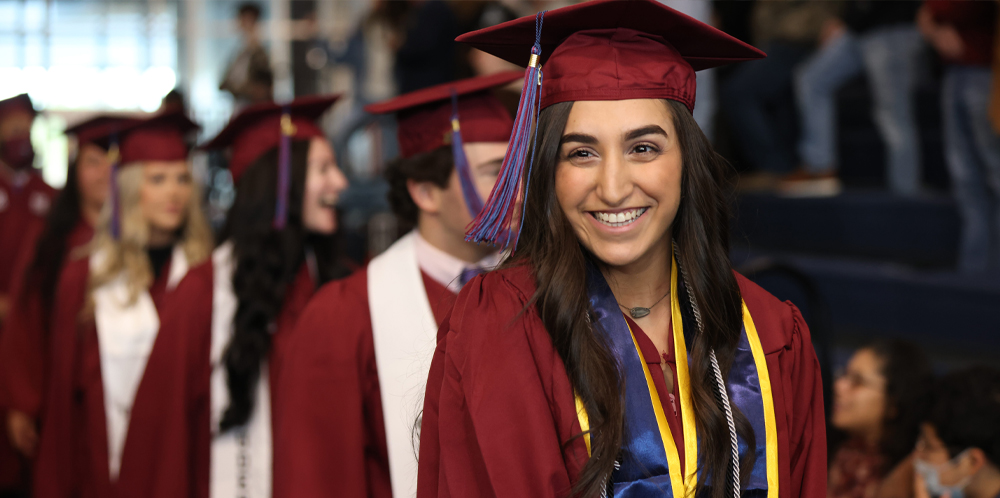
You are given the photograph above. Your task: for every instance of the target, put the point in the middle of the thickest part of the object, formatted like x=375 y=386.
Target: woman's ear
x=425 y=195
x=972 y=462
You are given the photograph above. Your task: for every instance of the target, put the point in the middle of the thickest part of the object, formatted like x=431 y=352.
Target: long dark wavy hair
x=908 y=378
x=549 y=245
x=267 y=261
x=50 y=251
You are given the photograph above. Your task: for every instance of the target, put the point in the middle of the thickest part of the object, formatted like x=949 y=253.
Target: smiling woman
x=708 y=386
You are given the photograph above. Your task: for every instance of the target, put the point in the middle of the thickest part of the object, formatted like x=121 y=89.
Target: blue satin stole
x=645 y=470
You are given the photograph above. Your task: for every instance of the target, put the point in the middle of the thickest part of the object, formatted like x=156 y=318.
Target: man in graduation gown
x=24 y=202
x=70 y=225
x=352 y=396
x=122 y=409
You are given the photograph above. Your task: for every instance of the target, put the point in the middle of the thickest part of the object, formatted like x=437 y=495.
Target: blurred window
x=85 y=55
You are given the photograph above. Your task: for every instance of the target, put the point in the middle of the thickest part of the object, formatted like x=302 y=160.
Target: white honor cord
x=724 y=397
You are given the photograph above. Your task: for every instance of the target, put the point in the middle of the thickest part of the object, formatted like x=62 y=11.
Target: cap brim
x=311 y=108
x=701 y=45
x=444 y=91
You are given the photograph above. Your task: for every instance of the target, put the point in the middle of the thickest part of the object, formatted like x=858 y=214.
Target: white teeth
x=619 y=219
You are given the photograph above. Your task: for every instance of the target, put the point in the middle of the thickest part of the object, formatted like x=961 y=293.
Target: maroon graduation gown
x=24 y=336
x=193 y=311
x=22 y=211
x=331 y=439
x=161 y=454
x=499 y=415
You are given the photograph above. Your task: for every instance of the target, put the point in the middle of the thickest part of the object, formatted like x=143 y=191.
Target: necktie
x=468 y=274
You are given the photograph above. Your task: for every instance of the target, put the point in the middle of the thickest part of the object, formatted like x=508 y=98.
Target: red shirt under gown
x=165 y=448
x=331 y=441
x=499 y=415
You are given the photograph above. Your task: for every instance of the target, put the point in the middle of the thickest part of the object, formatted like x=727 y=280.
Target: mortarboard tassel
x=284 y=170
x=115 y=224
x=472 y=200
x=494 y=224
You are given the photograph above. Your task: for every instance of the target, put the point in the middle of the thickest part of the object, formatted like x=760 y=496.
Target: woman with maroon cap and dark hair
x=364 y=343
x=277 y=248
x=68 y=226
x=119 y=414
x=616 y=351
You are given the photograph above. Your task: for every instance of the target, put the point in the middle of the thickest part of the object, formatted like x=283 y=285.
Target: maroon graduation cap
x=162 y=137
x=264 y=126
x=451 y=114
x=260 y=127
x=20 y=102
x=100 y=128
x=424 y=116
x=599 y=50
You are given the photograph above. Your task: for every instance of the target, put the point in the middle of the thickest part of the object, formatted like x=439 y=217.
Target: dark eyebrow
x=578 y=137
x=645 y=130
x=492 y=162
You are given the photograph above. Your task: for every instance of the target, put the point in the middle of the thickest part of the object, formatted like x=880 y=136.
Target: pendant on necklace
x=638 y=312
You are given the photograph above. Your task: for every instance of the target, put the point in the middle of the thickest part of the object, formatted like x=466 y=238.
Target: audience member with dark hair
x=878 y=406
x=958 y=454
x=249 y=77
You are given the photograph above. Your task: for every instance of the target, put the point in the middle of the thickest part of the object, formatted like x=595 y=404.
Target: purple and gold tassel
x=472 y=200
x=115 y=224
x=495 y=223
x=284 y=170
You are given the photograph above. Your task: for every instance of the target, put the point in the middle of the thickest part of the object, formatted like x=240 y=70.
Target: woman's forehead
x=618 y=117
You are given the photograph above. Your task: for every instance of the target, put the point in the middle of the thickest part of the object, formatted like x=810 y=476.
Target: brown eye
x=645 y=149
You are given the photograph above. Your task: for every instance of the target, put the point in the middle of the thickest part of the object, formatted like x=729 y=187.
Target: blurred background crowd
x=865 y=152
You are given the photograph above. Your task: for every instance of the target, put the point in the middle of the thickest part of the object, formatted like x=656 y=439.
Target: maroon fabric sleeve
x=797 y=392
x=499 y=416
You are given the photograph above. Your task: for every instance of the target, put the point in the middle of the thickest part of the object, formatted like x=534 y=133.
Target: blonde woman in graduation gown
x=122 y=412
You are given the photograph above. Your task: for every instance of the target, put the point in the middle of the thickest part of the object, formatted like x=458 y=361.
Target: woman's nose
x=614 y=183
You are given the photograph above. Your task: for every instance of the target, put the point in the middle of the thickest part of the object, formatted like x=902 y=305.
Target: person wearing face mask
x=277 y=247
x=120 y=410
x=24 y=197
x=616 y=351
x=958 y=453
x=363 y=344
x=879 y=403
x=68 y=227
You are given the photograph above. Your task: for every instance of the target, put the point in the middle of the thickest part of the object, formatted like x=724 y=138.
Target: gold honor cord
x=767 y=398
x=683 y=487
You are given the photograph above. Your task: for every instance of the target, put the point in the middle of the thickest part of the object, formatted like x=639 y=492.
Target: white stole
x=125 y=337
x=241 y=457
x=405 y=335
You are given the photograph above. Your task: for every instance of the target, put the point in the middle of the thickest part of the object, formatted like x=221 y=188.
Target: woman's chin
x=616 y=257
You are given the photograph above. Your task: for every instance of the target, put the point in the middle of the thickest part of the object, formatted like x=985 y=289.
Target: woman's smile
x=618 y=218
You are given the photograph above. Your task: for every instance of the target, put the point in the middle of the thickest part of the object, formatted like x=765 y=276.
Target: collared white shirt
x=446 y=269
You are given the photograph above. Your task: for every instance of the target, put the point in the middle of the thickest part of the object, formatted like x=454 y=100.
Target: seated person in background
x=958 y=454
x=877 y=410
